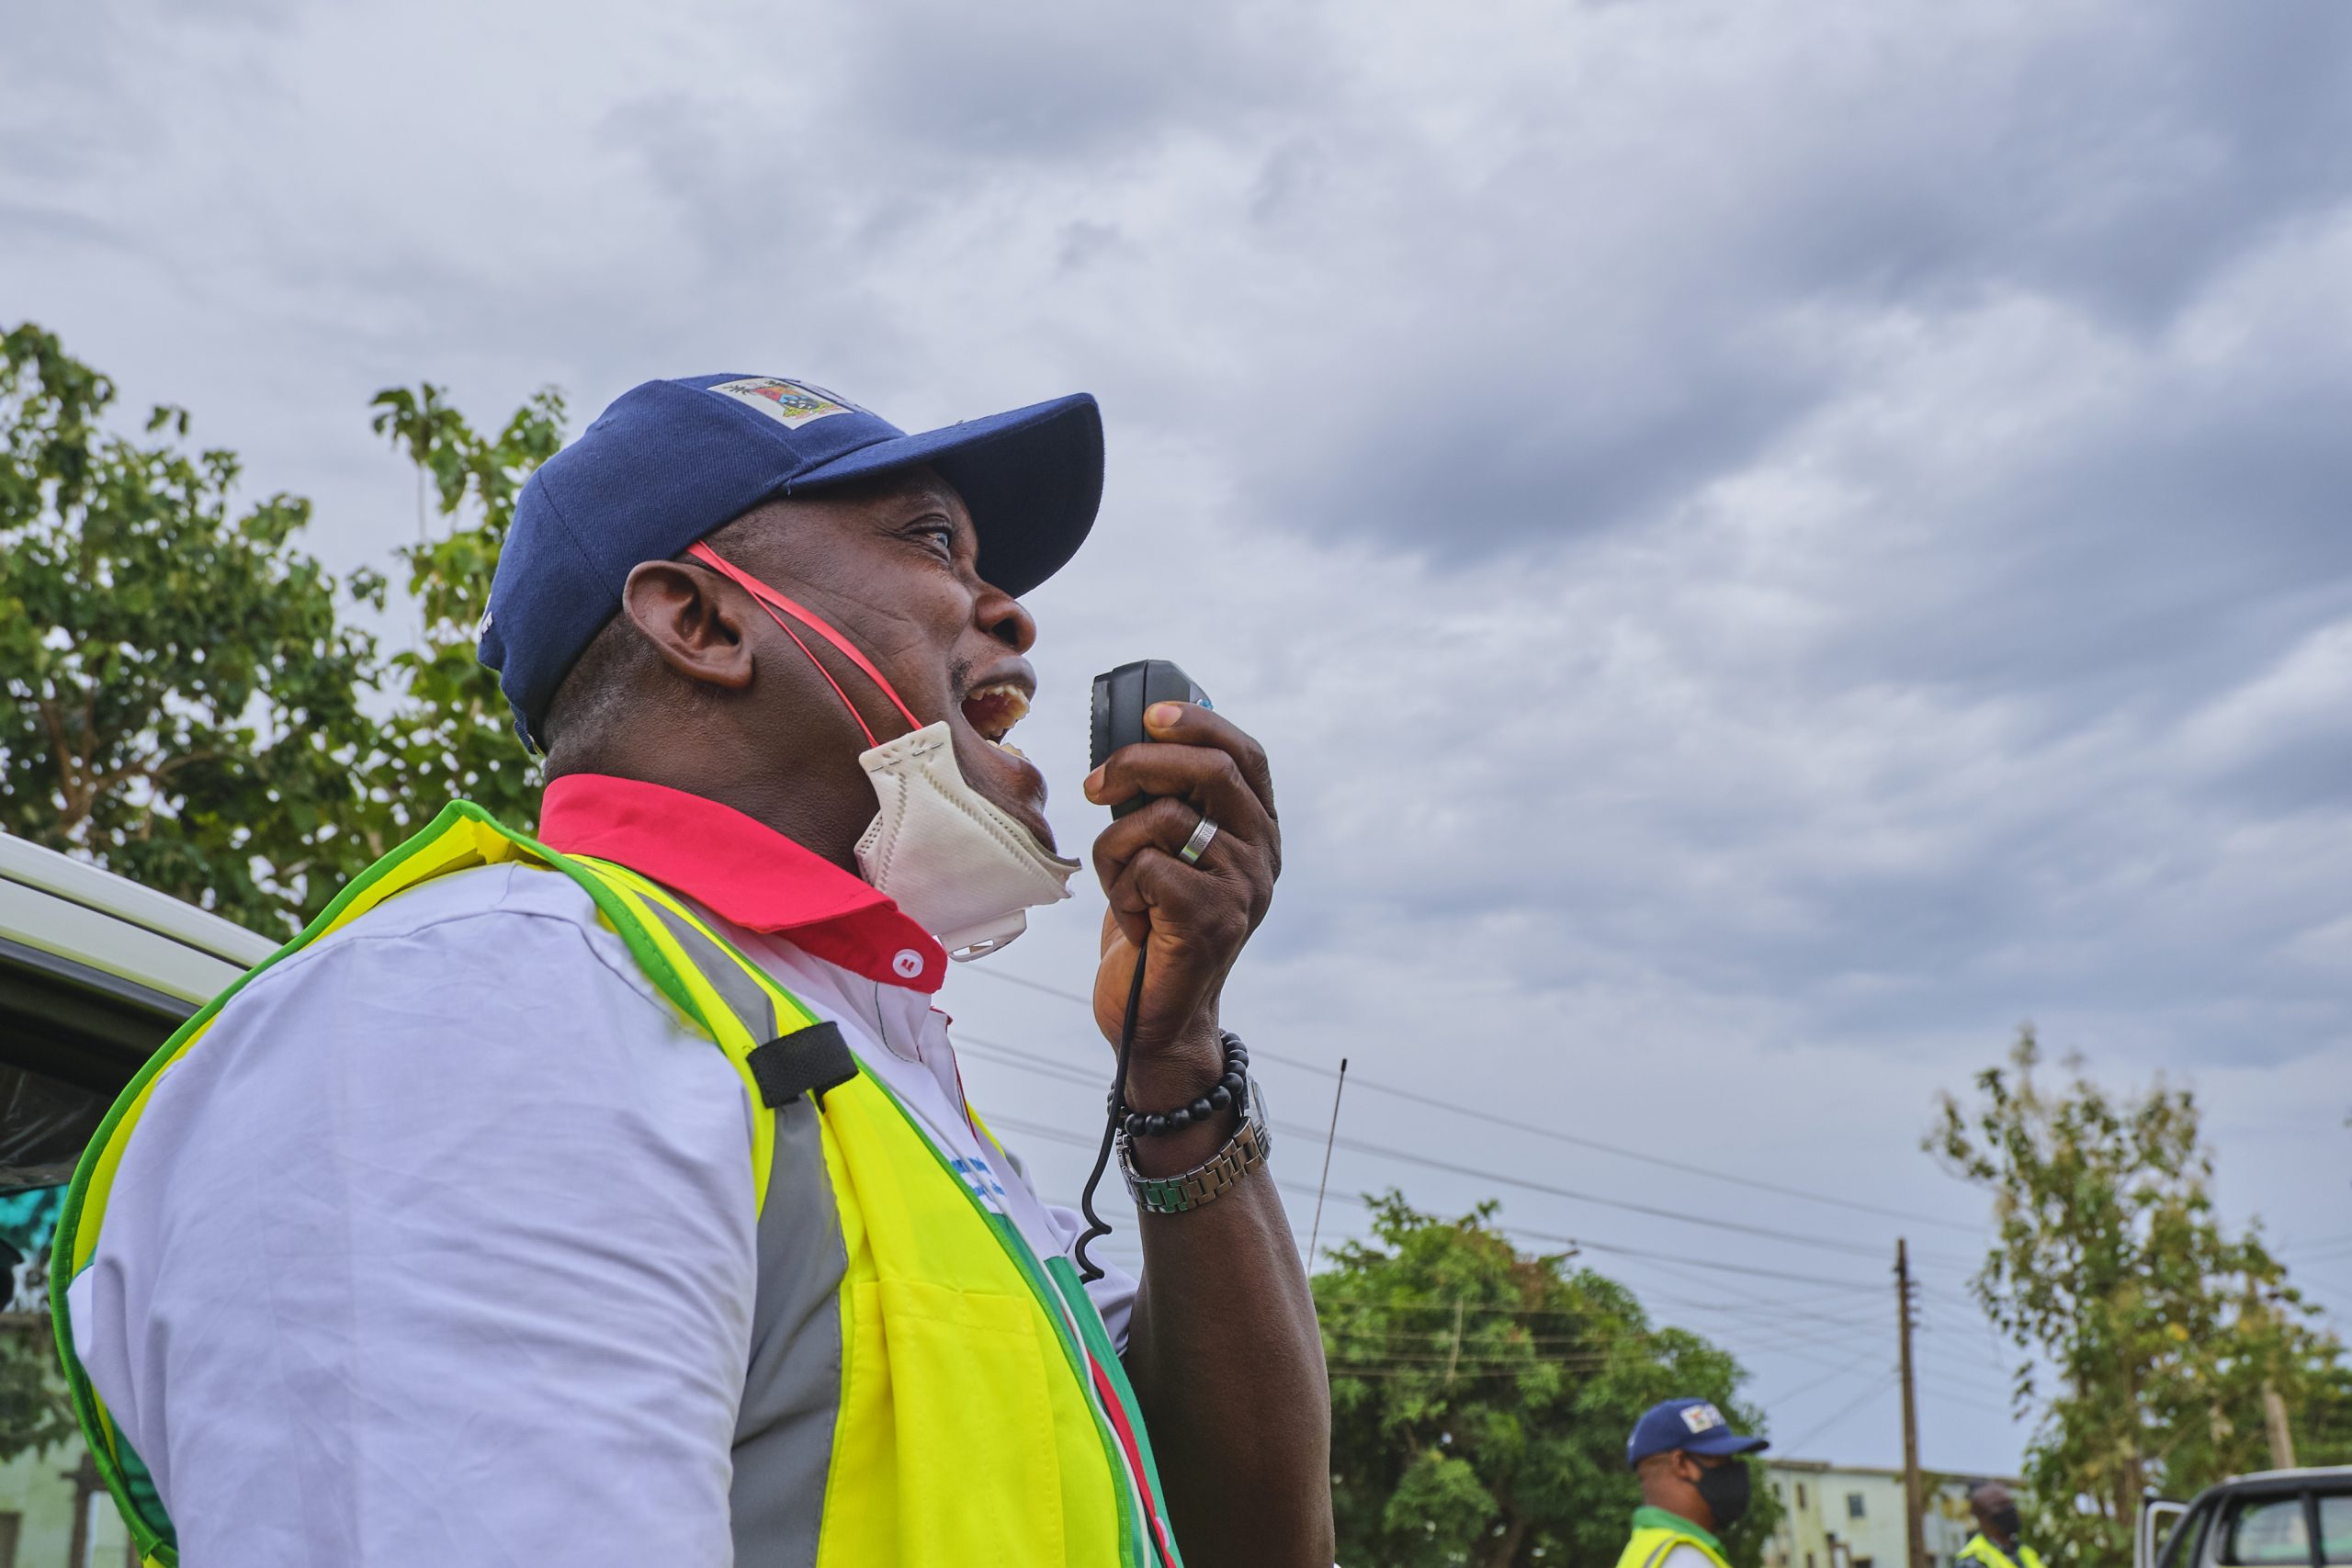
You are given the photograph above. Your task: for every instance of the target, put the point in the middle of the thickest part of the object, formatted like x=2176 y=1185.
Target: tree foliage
x=187 y=697
x=2148 y=1331
x=454 y=736
x=1481 y=1399
x=180 y=699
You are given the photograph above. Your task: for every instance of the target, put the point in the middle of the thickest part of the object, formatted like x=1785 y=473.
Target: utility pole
x=2273 y=1408
x=1913 y=1504
x=2282 y=1437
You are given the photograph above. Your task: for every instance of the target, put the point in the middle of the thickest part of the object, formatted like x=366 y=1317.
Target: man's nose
x=1000 y=616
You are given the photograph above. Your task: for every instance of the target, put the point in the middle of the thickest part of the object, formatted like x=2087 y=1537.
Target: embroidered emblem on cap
x=790 y=403
x=1701 y=1417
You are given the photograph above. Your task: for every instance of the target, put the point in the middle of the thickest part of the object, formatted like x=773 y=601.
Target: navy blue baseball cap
x=1694 y=1426
x=671 y=461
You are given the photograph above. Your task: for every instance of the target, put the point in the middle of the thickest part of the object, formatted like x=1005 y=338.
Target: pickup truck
x=2279 y=1518
x=96 y=972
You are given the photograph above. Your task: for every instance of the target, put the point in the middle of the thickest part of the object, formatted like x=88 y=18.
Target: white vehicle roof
x=134 y=937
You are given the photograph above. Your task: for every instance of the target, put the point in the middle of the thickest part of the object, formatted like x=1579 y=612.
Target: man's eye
x=939 y=534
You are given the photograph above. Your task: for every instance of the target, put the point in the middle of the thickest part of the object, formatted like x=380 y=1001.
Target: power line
x=1843 y=1411
x=1025 y=1061
x=1421 y=1097
x=1060 y=1135
x=1845 y=1370
x=1653 y=1211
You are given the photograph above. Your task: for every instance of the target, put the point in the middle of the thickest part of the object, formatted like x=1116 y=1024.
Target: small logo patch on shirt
x=981 y=1181
x=790 y=403
x=1701 y=1417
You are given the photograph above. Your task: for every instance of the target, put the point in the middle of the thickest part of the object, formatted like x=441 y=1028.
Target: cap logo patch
x=790 y=403
x=1701 y=1417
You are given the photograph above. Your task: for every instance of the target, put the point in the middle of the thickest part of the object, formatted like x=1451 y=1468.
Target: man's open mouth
x=993 y=710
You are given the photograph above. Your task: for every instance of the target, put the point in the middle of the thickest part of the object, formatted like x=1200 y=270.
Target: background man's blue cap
x=671 y=461
x=1694 y=1426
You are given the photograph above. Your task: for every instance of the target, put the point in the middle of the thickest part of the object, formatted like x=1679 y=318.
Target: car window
x=2173 y=1537
x=44 y=1121
x=2335 y=1528
x=2268 y=1533
x=28 y=1222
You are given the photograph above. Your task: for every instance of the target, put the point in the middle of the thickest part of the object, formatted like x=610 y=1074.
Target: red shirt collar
x=746 y=871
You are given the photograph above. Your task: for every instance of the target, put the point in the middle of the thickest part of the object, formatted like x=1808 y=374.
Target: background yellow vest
x=1649 y=1546
x=1979 y=1549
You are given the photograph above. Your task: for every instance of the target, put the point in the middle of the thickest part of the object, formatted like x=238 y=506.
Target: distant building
x=55 y=1512
x=1836 y=1516
x=40 y=1495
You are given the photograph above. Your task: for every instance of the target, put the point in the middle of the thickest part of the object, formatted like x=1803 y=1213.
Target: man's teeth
x=1000 y=705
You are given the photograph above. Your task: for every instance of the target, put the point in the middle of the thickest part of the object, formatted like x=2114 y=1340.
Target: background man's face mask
x=958 y=864
x=1725 y=1489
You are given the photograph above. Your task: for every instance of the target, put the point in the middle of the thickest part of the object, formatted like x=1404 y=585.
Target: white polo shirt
x=439 y=1249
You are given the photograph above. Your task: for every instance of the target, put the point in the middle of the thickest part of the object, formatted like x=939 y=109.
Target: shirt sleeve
x=1685 y=1555
x=438 y=1249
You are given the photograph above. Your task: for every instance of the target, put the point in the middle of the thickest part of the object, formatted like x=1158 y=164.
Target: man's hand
x=1223 y=1348
x=1190 y=920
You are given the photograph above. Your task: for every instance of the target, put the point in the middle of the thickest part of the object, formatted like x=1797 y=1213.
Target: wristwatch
x=1210 y=1179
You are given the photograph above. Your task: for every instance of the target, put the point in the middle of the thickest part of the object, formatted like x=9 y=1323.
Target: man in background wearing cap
x=610 y=1198
x=1995 y=1543
x=1694 y=1484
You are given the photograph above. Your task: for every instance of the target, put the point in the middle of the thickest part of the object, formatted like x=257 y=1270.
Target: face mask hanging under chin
x=956 y=863
x=953 y=861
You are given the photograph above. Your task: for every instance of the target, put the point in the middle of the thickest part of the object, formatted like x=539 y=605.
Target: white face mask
x=956 y=863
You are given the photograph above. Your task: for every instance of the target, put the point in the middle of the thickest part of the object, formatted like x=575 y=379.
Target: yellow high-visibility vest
x=953 y=1331
x=1982 y=1551
x=1651 y=1543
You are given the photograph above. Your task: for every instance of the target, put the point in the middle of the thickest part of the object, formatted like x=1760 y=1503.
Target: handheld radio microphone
x=1120 y=698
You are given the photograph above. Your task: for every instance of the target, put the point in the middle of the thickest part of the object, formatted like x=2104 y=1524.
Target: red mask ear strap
x=771 y=601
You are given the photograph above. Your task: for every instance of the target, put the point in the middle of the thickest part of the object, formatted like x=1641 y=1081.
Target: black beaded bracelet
x=1232 y=1090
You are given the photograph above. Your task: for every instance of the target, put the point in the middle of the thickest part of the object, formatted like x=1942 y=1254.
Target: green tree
x=1481 y=1398
x=2149 y=1333
x=454 y=736
x=186 y=696
x=180 y=699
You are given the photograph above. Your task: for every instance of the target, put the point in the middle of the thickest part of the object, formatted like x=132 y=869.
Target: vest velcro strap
x=807 y=1061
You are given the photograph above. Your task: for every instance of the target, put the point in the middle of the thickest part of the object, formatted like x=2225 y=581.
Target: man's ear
x=692 y=618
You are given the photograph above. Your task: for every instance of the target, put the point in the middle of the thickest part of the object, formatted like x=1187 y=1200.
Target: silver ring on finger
x=1195 y=846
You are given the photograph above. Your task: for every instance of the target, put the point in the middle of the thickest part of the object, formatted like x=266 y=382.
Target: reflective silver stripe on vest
x=784 y=1429
x=743 y=996
x=783 y=1433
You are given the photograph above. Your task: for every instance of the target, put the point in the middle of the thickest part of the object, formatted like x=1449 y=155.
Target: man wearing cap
x=1694 y=1484
x=610 y=1197
x=1995 y=1543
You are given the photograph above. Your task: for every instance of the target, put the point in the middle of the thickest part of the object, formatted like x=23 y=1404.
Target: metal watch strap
x=1207 y=1182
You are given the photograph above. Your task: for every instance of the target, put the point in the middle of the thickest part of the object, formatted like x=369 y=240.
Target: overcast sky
x=1768 y=544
